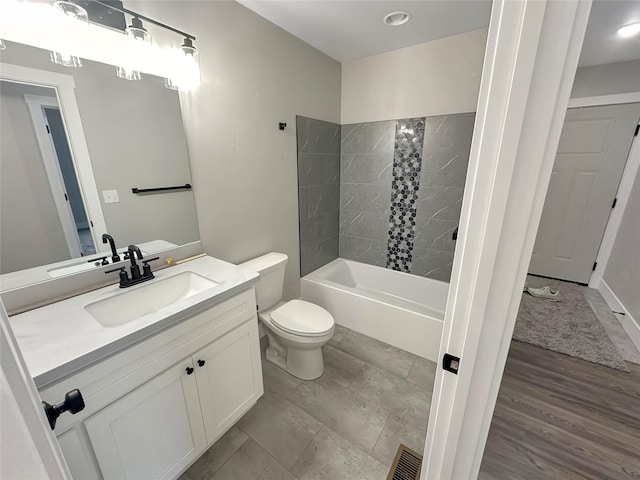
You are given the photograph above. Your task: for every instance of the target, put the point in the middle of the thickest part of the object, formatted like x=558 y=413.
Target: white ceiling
x=601 y=44
x=349 y=29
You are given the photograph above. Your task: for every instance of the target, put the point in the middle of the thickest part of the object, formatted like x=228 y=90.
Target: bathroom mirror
x=68 y=179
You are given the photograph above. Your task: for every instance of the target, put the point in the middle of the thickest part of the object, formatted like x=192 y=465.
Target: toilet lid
x=298 y=316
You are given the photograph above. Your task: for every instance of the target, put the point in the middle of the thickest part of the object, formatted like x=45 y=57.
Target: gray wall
x=613 y=78
x=135 y=136
x=366 y=162
x=318 y=191
x=245 y=169
x=30 y=231
x=401 y=190
x=622 y=273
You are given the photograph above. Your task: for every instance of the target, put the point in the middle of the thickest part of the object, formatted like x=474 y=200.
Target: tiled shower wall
x=318 y=191
x=366 y=170
x=400 y=192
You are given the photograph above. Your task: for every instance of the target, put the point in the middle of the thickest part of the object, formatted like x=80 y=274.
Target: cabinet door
x=154 y=431
x=230 y=379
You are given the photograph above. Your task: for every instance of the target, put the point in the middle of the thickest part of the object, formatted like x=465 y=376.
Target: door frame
x=35 y=105
x=64 y=86
x=36 y=440
x=531 y=60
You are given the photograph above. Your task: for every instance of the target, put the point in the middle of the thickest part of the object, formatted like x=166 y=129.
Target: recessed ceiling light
x=396 y=18
x=629 y=30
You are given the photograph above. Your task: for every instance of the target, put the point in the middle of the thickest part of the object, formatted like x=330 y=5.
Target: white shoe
x=545 y=292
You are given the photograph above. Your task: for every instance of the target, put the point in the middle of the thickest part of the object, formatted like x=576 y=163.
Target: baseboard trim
x=629 y=323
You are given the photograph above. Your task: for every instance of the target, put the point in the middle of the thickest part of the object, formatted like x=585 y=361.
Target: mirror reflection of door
x=72 y=195
x=43 y=212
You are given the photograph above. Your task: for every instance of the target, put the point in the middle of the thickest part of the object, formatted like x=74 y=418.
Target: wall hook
x=282 y=126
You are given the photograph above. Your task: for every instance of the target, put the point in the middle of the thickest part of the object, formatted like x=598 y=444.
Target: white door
x=153 y=432
x=593 y=150
x=229 y=378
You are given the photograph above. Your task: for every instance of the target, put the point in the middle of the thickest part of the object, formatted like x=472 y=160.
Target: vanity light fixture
x=62 y=54
x=187 y=68
x=630 y=30
x=137 y=31
x=397 y=18
x=140 y=34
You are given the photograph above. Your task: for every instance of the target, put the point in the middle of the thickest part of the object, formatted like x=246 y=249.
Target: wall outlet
x=110 y=196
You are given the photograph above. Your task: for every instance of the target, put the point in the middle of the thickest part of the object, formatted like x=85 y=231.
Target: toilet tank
x=271 y=269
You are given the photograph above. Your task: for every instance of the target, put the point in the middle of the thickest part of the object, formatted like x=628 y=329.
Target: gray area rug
x=568 y=326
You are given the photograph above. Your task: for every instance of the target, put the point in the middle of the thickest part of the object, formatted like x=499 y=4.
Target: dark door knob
x=189 y=370
x=201 y=363
x=73 y=402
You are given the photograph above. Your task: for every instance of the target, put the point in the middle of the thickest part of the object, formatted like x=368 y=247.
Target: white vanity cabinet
x=154 y=408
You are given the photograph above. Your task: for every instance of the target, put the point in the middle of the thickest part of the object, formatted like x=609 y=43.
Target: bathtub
x=403 y=310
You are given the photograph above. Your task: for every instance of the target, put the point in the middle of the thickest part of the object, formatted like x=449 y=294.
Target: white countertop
x=63 y=337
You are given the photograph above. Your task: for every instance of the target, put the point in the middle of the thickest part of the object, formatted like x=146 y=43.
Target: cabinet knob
x=201 y=363
x=73 y=403
x=189 y=370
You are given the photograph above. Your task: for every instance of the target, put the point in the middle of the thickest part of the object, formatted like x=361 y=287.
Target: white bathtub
x=403 y=310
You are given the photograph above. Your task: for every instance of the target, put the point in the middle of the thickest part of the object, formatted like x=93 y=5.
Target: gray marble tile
x=322 y=199
x=252 y=462
x=343 y=410
x=221 y=451
x=319 y=228
x=434 y=235
x=436 y=264
x=446 y=149
x=373 y=351
x=370 y=225
x=398 y=430
x=402 y=397
x=317 y=136
x=277 y=380
x=281 y=428
x=331 y=457
x=339 y=366
x=365 y=197
x=370 y=137
x=318 y=169
x=371 y=168
x=315 y=256
x=364 y=250
x=439 y=203
x=423 y=373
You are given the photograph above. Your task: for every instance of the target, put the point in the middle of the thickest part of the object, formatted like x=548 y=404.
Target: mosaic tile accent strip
x=407 y=164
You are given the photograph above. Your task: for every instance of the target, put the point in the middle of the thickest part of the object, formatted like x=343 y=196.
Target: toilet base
x=304 y=363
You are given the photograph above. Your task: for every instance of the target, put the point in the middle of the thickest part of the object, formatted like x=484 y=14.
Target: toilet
x=296 y=329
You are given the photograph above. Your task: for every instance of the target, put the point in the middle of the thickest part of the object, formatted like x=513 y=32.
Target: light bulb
x=186 y=68
x=137 y=31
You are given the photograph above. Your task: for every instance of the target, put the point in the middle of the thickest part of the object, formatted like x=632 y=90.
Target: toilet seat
x=302 y=318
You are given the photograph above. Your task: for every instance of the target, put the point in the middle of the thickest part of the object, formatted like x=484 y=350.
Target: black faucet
x=136 y=277
x=135 y=269
x=114 y=253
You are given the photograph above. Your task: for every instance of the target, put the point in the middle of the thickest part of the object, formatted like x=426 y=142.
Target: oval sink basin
x=129 y=306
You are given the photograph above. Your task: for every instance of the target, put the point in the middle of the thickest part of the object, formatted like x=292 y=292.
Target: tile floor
x=347 y=424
